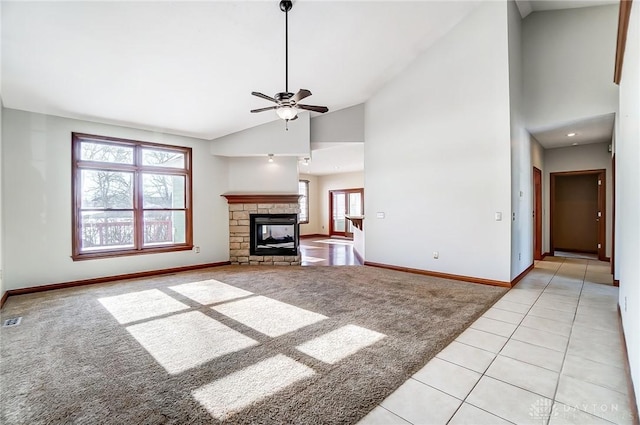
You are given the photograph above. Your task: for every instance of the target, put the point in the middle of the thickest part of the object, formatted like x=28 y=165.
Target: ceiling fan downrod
x=285 y=6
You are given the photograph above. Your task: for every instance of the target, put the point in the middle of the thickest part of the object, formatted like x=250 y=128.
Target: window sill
x=127 y=253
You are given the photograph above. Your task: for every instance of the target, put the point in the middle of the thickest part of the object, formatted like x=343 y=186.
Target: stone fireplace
x=272 y=221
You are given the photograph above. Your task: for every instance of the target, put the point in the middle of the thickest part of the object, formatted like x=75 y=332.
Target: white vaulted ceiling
x=188 y=68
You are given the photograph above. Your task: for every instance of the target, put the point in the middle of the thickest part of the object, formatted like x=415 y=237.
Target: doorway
x=342 y=203
x=537 y=214
x=577 y=213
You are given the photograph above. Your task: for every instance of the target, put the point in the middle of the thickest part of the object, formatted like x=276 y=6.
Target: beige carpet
x=231 y=344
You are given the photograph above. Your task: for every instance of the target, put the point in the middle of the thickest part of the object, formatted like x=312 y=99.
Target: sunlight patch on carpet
x=312 y=259
x=187 y=340
x=134 y=306
x=226 y=396
x=343 y=342
x=210 y=291
x=268 y=316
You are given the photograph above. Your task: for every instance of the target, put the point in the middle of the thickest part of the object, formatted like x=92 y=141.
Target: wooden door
x=602 y=229
x=537 y=214
x=589 y=229
x=342 y=203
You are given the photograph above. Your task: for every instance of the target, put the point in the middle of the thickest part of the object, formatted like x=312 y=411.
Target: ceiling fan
x=287 y=105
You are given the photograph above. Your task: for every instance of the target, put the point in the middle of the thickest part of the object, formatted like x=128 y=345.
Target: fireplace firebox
x=274 y=234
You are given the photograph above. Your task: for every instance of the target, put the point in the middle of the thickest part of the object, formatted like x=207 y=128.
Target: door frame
x=602 y=205
x=332 y=232
x=613 y=217
x=537 y=215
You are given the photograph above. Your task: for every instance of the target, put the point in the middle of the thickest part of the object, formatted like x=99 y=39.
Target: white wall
x=258 y=175
x=2 y=290
x=37 y=205
x=568 y=57
x=329 y=182
x=537 y=154
x=521 y=169
x=271 y=137
x=359 y=242
x=313 y=227
x=577 y=158
x=439 y=168
x=628 y=197
x=345 y=125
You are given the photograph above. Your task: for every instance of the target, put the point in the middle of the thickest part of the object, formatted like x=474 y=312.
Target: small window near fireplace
x=274 y=234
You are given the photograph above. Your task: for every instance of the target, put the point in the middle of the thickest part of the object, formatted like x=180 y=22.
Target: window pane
x=163 y=158
x=164 y=227
x=339 y=206
x=303 y=202
x=355 y=203
x=91 y=151
x=163 y=191
x=106 y=230
x=106 y=189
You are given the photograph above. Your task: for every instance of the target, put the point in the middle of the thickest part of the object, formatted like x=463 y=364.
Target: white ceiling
x=188 y=68
x=539 y=5
x=590 y=130
x=528 y=6
x=334 y=158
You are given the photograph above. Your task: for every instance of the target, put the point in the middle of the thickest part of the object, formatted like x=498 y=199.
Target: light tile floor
x=549 y=352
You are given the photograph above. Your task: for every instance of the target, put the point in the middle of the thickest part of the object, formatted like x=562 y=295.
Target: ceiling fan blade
x=264 y=109
x=302 y=93
x=264 y=96
x=313 y=108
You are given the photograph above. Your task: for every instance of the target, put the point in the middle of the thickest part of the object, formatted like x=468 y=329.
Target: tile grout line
x=483 y=374
x=566 y=353
x=566 y=350
x=394 y=414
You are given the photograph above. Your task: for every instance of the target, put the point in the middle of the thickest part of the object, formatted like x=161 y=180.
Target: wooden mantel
x=261 y=198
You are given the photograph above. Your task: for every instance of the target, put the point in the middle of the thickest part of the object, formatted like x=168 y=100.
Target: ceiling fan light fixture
x=287 y=112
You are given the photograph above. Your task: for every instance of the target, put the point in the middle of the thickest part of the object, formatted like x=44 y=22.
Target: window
x=129 y=197
x=303 y=201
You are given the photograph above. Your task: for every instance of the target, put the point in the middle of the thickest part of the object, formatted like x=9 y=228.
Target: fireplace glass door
x=274 y=234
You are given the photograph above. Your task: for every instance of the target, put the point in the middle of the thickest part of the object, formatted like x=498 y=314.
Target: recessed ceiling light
x=571 y=134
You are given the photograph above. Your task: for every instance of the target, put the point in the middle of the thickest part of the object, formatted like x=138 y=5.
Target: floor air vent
x=12 y=322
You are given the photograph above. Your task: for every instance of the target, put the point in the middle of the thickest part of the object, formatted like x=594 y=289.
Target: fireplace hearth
x=274 y=234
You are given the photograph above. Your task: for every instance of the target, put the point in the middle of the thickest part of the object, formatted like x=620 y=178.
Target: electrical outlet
x=519 y=256
x=436 y=254
x=196 y=249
